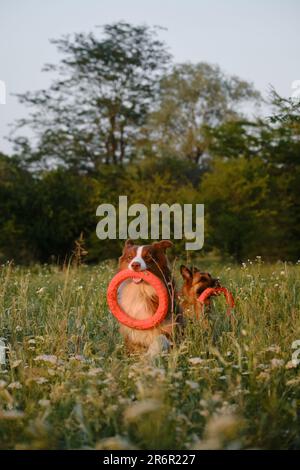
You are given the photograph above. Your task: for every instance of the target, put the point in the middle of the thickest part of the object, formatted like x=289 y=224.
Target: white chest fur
x=140 y=302
x=137 y=300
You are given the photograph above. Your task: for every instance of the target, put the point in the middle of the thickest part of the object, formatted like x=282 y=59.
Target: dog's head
x=195 y=282
x=151 y=257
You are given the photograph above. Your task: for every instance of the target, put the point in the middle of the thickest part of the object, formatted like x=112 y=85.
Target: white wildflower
x=275 y=363
x=274 y=348
x=47 y=358
x=11 y=414
x=15 y=386
x=44 y=403
x=40 y=380
x=94 y=371
x=77 y=357
x=292 y=364
x=196 y=360
x=193 y=385
x=293 y=381
x=40 y=290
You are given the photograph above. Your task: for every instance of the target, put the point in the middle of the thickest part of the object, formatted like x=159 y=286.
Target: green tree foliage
x=244 y=220
x=283 y=157
x=63 y=207
x=116 y=122
x=41 y=217
x=153 y=180
x=16 y=188
x=192 y=99
x=92 y=112
x=235 y=195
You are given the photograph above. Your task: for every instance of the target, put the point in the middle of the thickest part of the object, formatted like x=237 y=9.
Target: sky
x=257 y=40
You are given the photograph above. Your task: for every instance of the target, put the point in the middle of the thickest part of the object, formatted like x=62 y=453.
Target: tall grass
x=69 y=384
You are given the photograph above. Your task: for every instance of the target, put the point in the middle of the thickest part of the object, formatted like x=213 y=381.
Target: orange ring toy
x=210 y=291
x=121 y=316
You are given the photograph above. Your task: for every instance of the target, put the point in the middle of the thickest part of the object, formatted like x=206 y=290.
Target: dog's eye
x=129 y=258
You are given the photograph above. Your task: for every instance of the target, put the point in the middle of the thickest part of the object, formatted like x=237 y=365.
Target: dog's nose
x=136 y=266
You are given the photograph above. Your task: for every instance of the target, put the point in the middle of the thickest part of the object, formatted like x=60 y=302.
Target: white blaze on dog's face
x=138 y=263
x=151 y=257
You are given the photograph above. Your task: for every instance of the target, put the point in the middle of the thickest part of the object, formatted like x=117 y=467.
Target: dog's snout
x=136 y=266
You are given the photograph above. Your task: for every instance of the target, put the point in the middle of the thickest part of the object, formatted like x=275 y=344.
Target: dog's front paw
x=159 y=346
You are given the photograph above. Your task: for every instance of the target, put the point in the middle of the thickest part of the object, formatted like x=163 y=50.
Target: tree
x=192 y=98
x=63 y=208
x=236 y=194
x=16 y=188
x=271 y=147
x=93 y=111
x=283 y=157
x=235 y=138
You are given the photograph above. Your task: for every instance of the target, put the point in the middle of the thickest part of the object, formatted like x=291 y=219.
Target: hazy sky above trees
x=257 y=40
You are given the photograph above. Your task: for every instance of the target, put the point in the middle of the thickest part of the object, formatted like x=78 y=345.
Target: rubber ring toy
x=127 y=320
x=204 y=298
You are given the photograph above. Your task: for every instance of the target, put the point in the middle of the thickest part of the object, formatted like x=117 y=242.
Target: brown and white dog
x=195 y=282
x=139 y=300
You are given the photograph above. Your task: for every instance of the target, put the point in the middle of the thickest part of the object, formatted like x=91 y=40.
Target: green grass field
x=68 y=383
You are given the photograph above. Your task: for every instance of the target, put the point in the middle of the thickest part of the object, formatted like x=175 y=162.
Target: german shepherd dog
x=195 y=282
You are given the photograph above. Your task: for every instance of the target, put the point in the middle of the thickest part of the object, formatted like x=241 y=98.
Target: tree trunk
x=122 y=145
x=113 y=142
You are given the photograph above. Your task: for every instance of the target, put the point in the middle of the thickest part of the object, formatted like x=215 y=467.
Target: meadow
x=68 y=383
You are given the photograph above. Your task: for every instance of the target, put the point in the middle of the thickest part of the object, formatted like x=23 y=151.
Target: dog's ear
x=194 y=269
x=185 y=273
x=128 y=244
x=162 y=244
